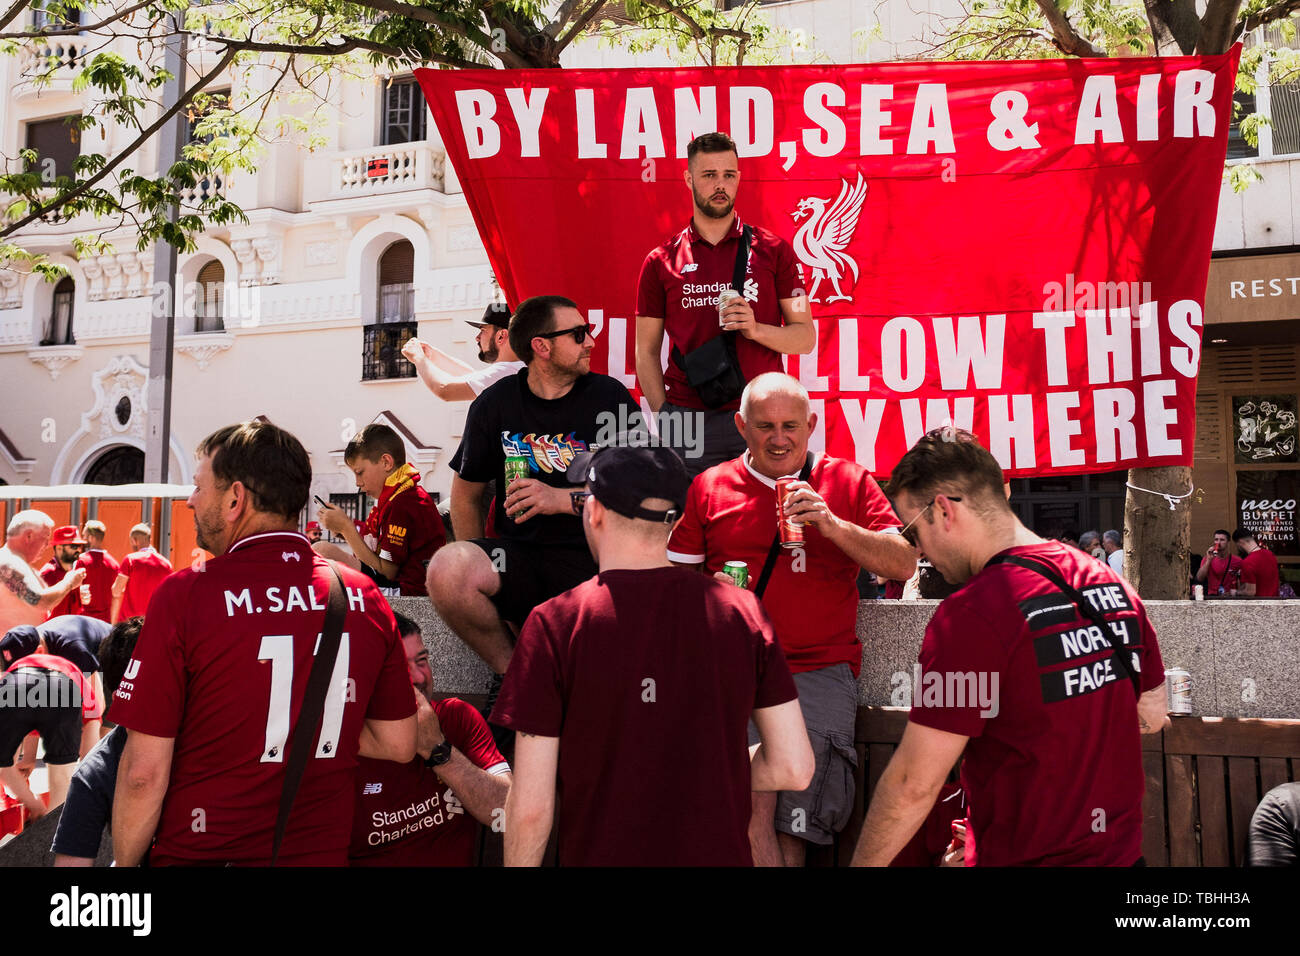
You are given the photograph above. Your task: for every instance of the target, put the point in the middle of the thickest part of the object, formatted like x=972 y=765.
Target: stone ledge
x=1244 y=656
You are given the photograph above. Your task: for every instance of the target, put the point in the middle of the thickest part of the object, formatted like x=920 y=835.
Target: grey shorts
x=703 y=438
x=829 y=701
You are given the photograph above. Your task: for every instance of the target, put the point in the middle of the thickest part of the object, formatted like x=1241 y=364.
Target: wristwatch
x=440 y=755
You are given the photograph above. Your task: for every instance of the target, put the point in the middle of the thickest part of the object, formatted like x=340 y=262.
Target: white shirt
x=493 y=373
x=1116 y=561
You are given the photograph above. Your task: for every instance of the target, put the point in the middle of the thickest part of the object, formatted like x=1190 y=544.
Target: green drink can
x=516 y=467
x=738 y=571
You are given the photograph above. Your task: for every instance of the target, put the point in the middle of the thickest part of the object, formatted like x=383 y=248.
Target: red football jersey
x=409 y=532
x=52 y=573
x=406 y=816
x=144 y=571
x=649 y=678
x=680 y=282
x=101 y=572
x=812 y=595
x=1053 y=771
x=1260 y=569
x=222 y=665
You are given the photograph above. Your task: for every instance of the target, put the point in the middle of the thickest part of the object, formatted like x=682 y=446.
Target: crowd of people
x=670 y=618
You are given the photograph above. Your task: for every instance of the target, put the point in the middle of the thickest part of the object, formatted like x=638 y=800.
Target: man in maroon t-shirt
x=677 y=294
x=68 y=545
x=101 y=571
x=402 y=531
x=220 y=672
x=422 y=813
x=1015 y=672
x=812 y=593
x=142 y=571
x=630 y=694
x=1259 y=572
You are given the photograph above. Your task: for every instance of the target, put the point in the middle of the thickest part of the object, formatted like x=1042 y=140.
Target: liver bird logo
x=821 y=241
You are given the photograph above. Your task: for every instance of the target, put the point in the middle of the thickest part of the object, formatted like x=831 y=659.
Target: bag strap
x=770 y=564
x=737 y=283
x=1086 y=609
x=313 y=705
x=742 y=260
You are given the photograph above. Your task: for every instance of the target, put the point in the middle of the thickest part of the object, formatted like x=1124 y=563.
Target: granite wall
x=1244 y=656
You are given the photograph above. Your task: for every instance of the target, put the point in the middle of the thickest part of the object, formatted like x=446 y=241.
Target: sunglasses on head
x=579 y=333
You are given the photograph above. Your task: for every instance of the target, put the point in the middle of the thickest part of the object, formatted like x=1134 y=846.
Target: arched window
x=58 y=328
x=209 y=298
x=396 y=277
x=119 y=465
x=394 y=317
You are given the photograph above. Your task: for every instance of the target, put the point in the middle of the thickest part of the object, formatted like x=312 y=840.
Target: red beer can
x=791 y=530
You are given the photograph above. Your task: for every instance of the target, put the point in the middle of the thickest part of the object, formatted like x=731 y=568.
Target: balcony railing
x=61 y=53
x=388 y=169
x=193 y=195
x=381 y=352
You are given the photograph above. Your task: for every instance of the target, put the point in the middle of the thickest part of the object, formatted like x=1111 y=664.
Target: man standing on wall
x=677 y=294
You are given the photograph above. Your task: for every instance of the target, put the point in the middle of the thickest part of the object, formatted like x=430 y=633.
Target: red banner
x=1020 y=248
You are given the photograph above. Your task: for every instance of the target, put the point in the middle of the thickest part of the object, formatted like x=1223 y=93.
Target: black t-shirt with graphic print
x=508 y=419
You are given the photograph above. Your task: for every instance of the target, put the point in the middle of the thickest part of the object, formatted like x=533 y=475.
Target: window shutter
x=397 y=264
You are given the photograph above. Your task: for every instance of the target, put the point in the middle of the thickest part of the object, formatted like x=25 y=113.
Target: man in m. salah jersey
x=220 y=671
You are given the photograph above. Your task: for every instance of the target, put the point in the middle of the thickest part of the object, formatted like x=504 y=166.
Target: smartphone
x=321 y=503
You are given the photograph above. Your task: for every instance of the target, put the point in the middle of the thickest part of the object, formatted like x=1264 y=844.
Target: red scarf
x=400 y=480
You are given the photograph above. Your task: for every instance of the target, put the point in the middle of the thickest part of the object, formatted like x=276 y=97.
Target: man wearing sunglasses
x=1053 y=758
x=540 y=419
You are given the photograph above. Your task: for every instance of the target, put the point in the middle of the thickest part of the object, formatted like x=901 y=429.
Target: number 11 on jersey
x=278 y=649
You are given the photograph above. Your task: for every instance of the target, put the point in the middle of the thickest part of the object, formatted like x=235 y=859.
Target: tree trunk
x=1156 y=539
x=1175 y=27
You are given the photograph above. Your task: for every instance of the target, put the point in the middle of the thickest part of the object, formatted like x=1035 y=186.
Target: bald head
x=772 y=385
x=776 y=420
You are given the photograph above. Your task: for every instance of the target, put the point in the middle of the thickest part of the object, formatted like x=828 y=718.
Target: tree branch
x=1065 y=37
x=1217 y=26
x=167 y=114
x=347 y=45
x=1277 y=11
x=72 y=31
x=9 y=15
x=581 y=23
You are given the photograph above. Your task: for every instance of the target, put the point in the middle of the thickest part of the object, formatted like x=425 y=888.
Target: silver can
x=1178 y=682
x=724 y=298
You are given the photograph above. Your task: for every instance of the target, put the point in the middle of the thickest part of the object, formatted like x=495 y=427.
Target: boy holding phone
x=402 y=531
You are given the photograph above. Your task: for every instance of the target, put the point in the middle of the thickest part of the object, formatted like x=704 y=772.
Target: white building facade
x=350 y=249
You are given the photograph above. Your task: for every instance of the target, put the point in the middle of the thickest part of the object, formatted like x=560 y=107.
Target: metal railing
x=381 y=351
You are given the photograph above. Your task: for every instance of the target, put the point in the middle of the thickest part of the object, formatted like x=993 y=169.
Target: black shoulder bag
x=1079 y=601
x=713 y=369
x=770 y=564
x=313 y=706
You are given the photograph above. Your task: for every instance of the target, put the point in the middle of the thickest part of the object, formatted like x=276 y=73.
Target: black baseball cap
x=18 y=642
x=498 y=314
x=622 y=477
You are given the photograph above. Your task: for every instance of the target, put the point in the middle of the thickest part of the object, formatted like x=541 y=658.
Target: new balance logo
x=371 y=789
x=690 y=267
